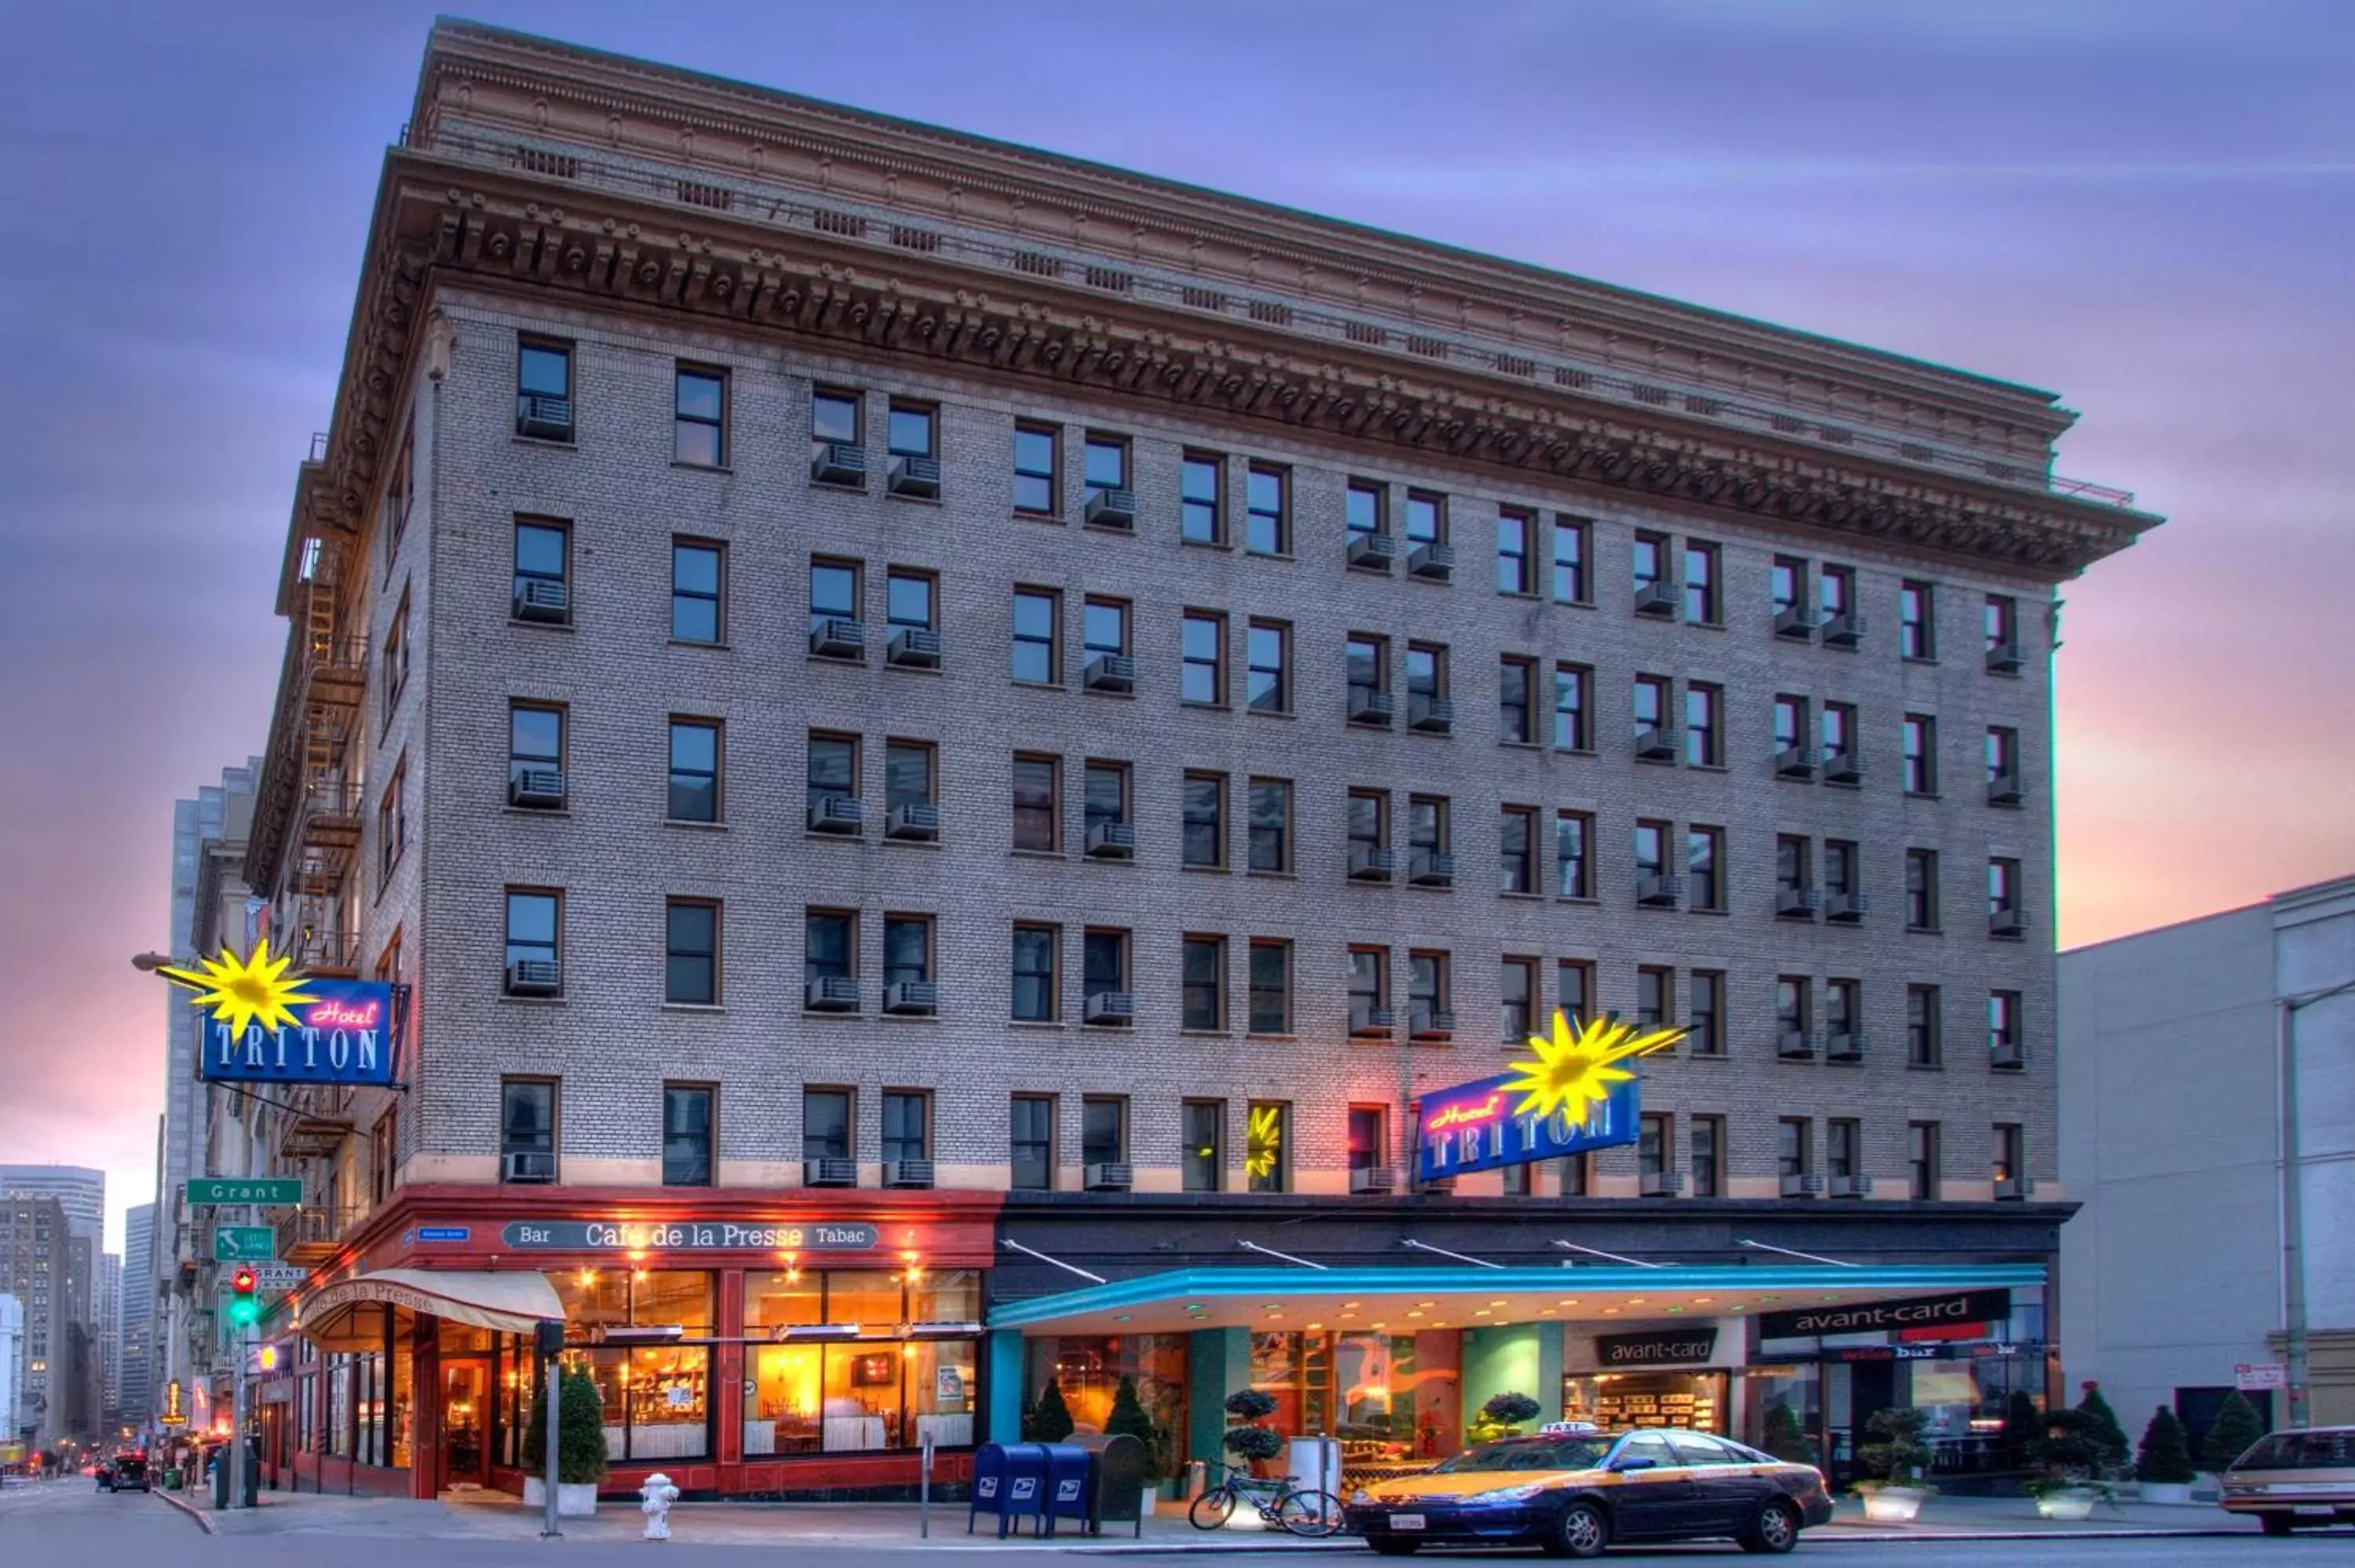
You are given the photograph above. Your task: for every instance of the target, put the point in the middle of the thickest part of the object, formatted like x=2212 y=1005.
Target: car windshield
x=2317 y=1450
x=1528 y=1454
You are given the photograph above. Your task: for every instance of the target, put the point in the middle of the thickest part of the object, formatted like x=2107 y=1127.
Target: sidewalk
x=2016 y=1519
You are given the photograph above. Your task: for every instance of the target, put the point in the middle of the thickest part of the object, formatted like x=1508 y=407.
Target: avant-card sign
x=686 y=1235
x=1667 y=1348
x=1874 y=1316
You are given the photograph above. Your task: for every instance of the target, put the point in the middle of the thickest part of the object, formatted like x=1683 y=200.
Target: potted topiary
x=581 y=1458
x=1128 y=1415
x=1892 y=1487
x=1248 y=1441
x=1784 y=1438
x=2164 y=1464
x=2101 y=1425
x=1051 y=1421
x=2070 y=1456
x=2236 y=1426
x=1502 y=1416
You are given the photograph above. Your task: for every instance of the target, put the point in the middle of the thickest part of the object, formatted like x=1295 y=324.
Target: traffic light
x=244 y=1297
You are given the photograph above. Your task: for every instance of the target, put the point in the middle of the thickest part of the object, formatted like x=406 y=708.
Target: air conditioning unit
x=1373 y=1179
x=534 y=977
x=1801 y=902
x=543 y=418
x=1806 y=1184
x=1432 y=868
x=1372 y=863
x=2011 y=922
x=1657 y=744
x=1110 y=1007
x=839 y=814
x=1844 y=1045
x=1843 y=768
x=535 y=1167
x=2014 y=1189
x=1366 y=1019
x=1798 y=762
x=1372 y=552
x=2009 y=1054
x=907 y=1173
x=1661 y=1184
x=1433 y=715
x=540 y=599
x=1109 y=672
x=915 y=822
x=1797 y=622
x=2003 y=659
x=1849 y=907
x=840 y=463
x=1111 y=1176
x=1112 y=841
x=2005 y=790
x=838 y=640
x=1851 y=1187
x=1795 y=1045
x=1425 y=1022
x=913 y=648
x=1845 y=630
x=913 y=998
x=1436 y=562
x=829 y=1172
x=916 y=476
x=1111 y=508
x=831 y=993
x=1373 y=707
x=536 y=789
x=1658 y=598
x=1659 y=890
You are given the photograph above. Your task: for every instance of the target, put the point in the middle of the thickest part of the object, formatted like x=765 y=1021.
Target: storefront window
x=339 y=1407
x=1086 y=1370
x=398 y=1424
x=370 y=1377
x=656 y=1397
x=783 y=1298
x=878 y=1392
x=1613 y=1400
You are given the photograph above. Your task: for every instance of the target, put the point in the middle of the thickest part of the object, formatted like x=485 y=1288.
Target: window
x=1103 y=464
x=1267 y=1154
x=1516 y=993
x=833 y=423
x=535 y=744
x=1921 y=754
x=1791 y=1137
x=1843 y=1010
x=912 y=430
x=1922 y=1159
x=1369 y=662
x=1203 y=1124
x=907 y=950
x=825 y=1124
x=1786 y=584
x=1705 y=1015
x=1921 y=890
x=1839 y=732
x=396 y=657
x=1517 y=679
x=1836 y=591
x=1704 y=881
x=1104 y=794
x=1035 y=482
x=543 y=552
x=2009 y=1159
x=2003 y=1028
x=1426 y=823
x=1569 y=554
x=1702 y=606
x=1515 y=530
x=2000 y=619
x=1653 y=1150
x=1205 y=807
x=1651 y=704
x=1707 y=1139
x=1034 y=972
x=1426 y=519
x=2002 y=763
x=1426 y=676
x=1201 y=492
x=695 y=750
x=908 y=600
x=1517 y=850
x=533 y=922
x=691 y=952
x=1270 y=826
x=1368 y=819
x=1656 y=986
x=1267 y=525
x=1270 y=987
x=1104 y=960
x=1702 y=746
x=833 y=769
x=1573 y=871
x=1923 y=1047
x=1368 y=1144
x=1103 y=1131
x=2003 y=887
x=1365 y=508
x=1203 y=984
x=1037 y=812
x=399 y=496
x=1574 y=979
x=1650 y=562
x=1202 y=644
x=1571 y=682
x=1267 y=647
x=830 y=945
x=1792 y=1009
x=697 y=568
x=1841 y=1140
x=833 y=591
x=544 y=390
x=1915 y=631
x=1038 y=613
x=699 y=418
x=906 y=1125
x=1652 y=848
x=1840 y=867
x=1368 y=987
x=1426 y=989
x=527 y=1117
x=687 y=1135
x=1794 y=887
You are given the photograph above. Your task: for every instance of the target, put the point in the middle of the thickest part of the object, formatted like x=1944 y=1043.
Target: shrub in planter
x=1052 y=1423
x=1501 y=1417
x=1784 y=1436
x=1250 y=1442
x=1128 y=1414
x=2237 y=1425
x=2166 y=1456
x=2068 y=1454
x=1250 y=1405
x=1896 y=1453
x=2102 y=1427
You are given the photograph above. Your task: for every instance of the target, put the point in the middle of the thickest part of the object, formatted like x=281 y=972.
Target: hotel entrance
x=464 y=1449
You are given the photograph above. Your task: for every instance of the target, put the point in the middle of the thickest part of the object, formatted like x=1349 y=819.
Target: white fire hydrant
x=658 y=1495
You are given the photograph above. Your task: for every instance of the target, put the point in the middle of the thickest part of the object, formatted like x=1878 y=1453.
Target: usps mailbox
x=1009 y=1479
x=1070 y=1483
x=1118 y=1495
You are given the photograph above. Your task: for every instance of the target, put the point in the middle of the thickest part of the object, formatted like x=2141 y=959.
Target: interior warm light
x=1611 y=1311
x=1416 y=1313
x=586 y=1278
x=1479 y=1311
x=1497 y=1303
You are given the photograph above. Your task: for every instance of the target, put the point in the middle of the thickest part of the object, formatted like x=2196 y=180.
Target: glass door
x=465 y=1422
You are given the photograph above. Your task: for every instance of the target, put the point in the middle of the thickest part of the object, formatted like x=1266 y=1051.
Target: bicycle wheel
x=1311 y=1513
x=1211 y=1509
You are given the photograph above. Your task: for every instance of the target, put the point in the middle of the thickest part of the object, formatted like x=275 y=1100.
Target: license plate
x=1415 y=1520
x=2314 y=1512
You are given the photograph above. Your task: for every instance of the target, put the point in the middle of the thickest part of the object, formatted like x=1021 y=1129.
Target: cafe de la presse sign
x=686 y=1235
x=1480 y=1127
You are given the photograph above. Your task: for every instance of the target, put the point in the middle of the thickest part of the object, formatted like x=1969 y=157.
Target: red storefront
x=801 y=1342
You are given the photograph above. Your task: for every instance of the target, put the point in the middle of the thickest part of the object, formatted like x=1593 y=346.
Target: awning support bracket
x=1012 y=1245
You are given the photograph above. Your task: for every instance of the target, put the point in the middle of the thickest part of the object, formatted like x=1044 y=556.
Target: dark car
x=126 y=1472
x=1573 y=1489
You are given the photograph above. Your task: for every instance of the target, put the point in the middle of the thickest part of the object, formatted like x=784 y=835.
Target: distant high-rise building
x=42 y=1268
x=135 y=1377
x=110 y=1335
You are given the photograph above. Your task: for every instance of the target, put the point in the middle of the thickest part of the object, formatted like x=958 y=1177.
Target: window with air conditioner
x=1104 y=660
x=910 y=628
x=533 y=924
x=528 y=1129
x=907 y=965
x=543 y=562
x=544 y=390
x=1104 y=471
x=1369 y=981
x=912 y=437
x=536 y=756
x=837 y=439
x=831 y=782
x=910 y=768
x=1104 y=1140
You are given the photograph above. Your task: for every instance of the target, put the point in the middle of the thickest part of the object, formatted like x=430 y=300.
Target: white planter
x=576 y=1501
x=535 y=1491
x=1893 y=1505
x=1149 y=1501
x=2175 y=1493
x=2067 y=1505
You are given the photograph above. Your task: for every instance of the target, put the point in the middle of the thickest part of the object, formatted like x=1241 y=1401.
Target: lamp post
x=2294 y=1200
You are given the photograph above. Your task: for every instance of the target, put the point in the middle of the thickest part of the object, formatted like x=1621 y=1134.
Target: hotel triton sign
x=269 y=1027
x=1571 y=1097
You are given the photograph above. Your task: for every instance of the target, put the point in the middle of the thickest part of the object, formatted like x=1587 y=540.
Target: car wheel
x=2276 y=1523
x=1393 y=1546
x=1775 y=1528
x=1581 y=1532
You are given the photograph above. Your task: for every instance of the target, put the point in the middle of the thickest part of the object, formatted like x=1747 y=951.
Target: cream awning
x=510 y=1303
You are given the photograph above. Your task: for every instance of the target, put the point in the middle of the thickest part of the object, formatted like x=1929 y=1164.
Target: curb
x=192 y=1510
x=1931 y=1537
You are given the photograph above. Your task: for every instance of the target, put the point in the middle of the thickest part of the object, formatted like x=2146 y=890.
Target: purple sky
x=2143 y=205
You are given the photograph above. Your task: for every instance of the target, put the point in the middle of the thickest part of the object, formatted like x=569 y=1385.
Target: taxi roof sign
x=1569 y=1429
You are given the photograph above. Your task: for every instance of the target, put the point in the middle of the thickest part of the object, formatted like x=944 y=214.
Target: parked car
x=1574 y=1490
x=125 y=1472
x=2291 y=1480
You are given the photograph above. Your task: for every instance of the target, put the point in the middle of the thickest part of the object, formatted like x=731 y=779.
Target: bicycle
x=1297 y=1510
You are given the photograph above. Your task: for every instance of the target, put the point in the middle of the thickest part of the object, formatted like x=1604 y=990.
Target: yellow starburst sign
x=245 y=992
x=1263 y=1140
x=1575 y=1068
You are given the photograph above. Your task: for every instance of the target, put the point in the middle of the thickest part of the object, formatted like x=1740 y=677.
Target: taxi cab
x=1573 y=1489
x=2298 y=1479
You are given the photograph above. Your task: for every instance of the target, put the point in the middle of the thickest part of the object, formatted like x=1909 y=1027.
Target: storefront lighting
x=1426 y=1303
x=1479 y=1311
x=1416 y=1313
x=586 y=1278
x=1499 y=1303
x=1349 y=1303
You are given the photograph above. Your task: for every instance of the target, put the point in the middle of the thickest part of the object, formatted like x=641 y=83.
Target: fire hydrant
x=658 y=1495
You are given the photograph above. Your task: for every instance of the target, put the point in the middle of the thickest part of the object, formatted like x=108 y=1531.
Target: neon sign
x=1466 y=1113
x=266 y=1026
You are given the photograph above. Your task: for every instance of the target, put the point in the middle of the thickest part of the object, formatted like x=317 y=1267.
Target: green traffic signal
x=245 y=1299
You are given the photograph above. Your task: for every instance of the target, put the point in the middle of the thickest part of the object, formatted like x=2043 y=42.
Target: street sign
x=2250 y=1376
x=244 y=1243
x=285 y=1192
x=277 y=1278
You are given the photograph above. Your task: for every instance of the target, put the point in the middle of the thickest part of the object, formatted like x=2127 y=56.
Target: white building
x=13 y=1424
x=2172 y=1046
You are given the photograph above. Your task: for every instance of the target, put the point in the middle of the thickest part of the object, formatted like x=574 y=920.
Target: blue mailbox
x=1009 y=1479
x=1070 y=1483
